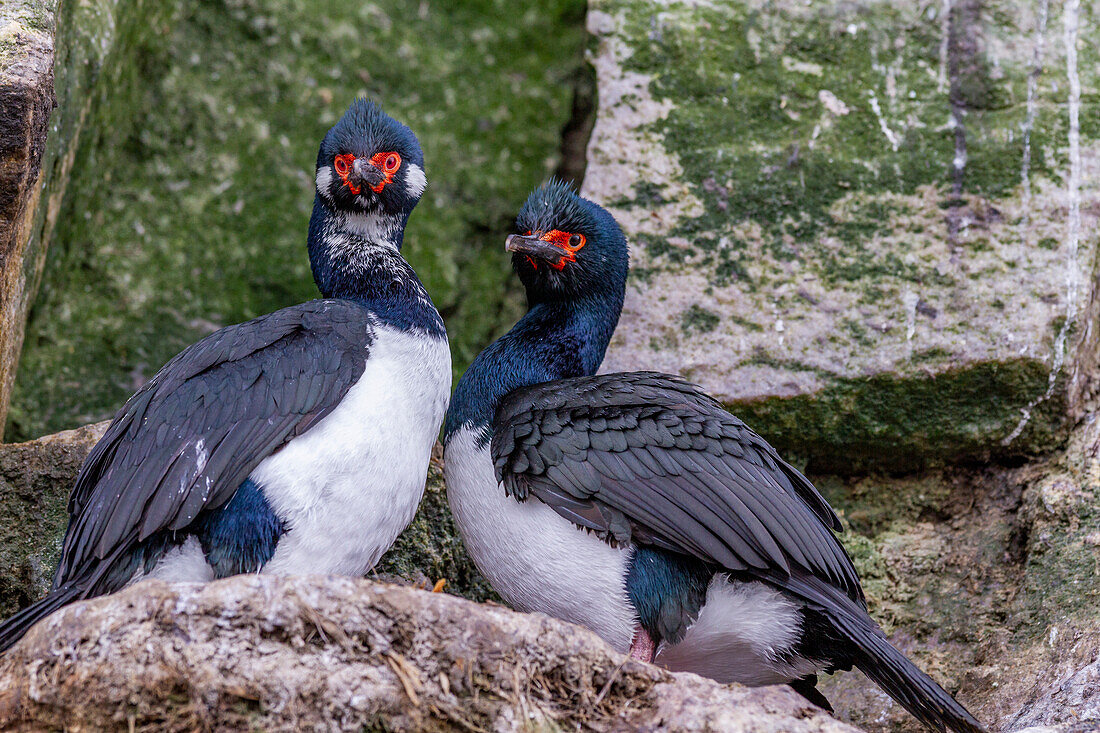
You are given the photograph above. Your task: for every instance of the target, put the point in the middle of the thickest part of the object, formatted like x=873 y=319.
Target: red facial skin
x=342 y=164
x=388 y=163
x=560 y=240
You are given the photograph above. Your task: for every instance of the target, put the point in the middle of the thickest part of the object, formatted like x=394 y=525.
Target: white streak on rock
x=891 y=136
x=1070 y=25
x=1029 y=120
x=945 y=35
x=910 y=299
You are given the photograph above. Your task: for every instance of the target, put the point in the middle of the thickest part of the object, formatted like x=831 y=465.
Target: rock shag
x=635 y=505
x=297 y=442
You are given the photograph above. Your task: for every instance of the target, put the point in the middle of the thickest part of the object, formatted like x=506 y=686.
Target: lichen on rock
x=845 y=188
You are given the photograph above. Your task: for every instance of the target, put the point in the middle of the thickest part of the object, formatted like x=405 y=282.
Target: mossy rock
x=190 y=194
x=863 y=227
x=987 y=576
x=35 y=479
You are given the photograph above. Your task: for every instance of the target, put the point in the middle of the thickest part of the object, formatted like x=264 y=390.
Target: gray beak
x=533 y=247
x=362 y=172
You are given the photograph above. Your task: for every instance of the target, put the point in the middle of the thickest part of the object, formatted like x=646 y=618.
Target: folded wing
x=649 y=458
x=187 y=439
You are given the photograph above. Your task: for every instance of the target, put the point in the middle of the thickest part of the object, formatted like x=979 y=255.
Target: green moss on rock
x=855 y=203
x=35 y=479
x=945 y=417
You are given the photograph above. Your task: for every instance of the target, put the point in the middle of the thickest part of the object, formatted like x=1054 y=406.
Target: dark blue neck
x=553 y=341
x=358 y=258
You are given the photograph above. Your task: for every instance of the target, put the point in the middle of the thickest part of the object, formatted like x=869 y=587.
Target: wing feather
x=651 y=456
x=188 y=438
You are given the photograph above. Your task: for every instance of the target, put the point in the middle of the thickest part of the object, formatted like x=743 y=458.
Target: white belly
x=351 y=484
x=534 y=558
x=741 y=635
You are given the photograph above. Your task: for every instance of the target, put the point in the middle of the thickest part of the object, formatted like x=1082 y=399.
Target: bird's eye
x=575 y=240
x=341 y=164
x=392 y=163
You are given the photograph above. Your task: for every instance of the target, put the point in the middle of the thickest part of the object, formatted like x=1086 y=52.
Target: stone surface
x=256 y=652
x=92 y=46
x=988 y=578
x=190 y=199
x=35 y=479
x=26 y=98
x=870 y=228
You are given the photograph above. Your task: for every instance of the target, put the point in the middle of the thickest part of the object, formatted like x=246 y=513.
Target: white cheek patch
x=324 y=179
x=415 y=181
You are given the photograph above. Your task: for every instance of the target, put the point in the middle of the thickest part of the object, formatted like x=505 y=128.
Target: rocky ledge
x=324 y=653
x=985 y=576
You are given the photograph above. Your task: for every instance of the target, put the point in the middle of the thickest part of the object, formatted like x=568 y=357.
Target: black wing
x=648 y=457
x=194 y=432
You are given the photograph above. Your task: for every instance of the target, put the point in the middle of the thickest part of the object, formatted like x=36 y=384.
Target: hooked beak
x=365 y=174
x=533 y=247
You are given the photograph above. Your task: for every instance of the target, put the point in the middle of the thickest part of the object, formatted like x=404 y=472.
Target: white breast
x=534 y=558
x=351 y=484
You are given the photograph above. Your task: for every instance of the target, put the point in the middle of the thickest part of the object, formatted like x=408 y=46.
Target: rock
x=1059 y=682
x=987 y=577
x=92 y=45
x=869 y=228
x=330 y=653
x=35 y=479
x=26 y=97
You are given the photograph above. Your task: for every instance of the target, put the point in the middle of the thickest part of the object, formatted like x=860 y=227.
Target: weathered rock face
x=35 y=480
x=26 y=97
x=987 y=577
x=92 y=45
x=871 y=228
x=256 y=652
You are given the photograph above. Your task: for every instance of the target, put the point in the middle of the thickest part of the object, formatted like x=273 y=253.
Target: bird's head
x=566 y=247
x=370 y=164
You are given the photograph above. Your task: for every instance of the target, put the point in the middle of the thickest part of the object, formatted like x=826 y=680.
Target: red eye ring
x=341 y=164
x=565 y=241
x=392 y=163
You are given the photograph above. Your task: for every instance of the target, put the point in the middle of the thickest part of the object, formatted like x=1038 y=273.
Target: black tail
x=912 y=689
x=901 y=679
x=15 y=627
x=866 y=647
